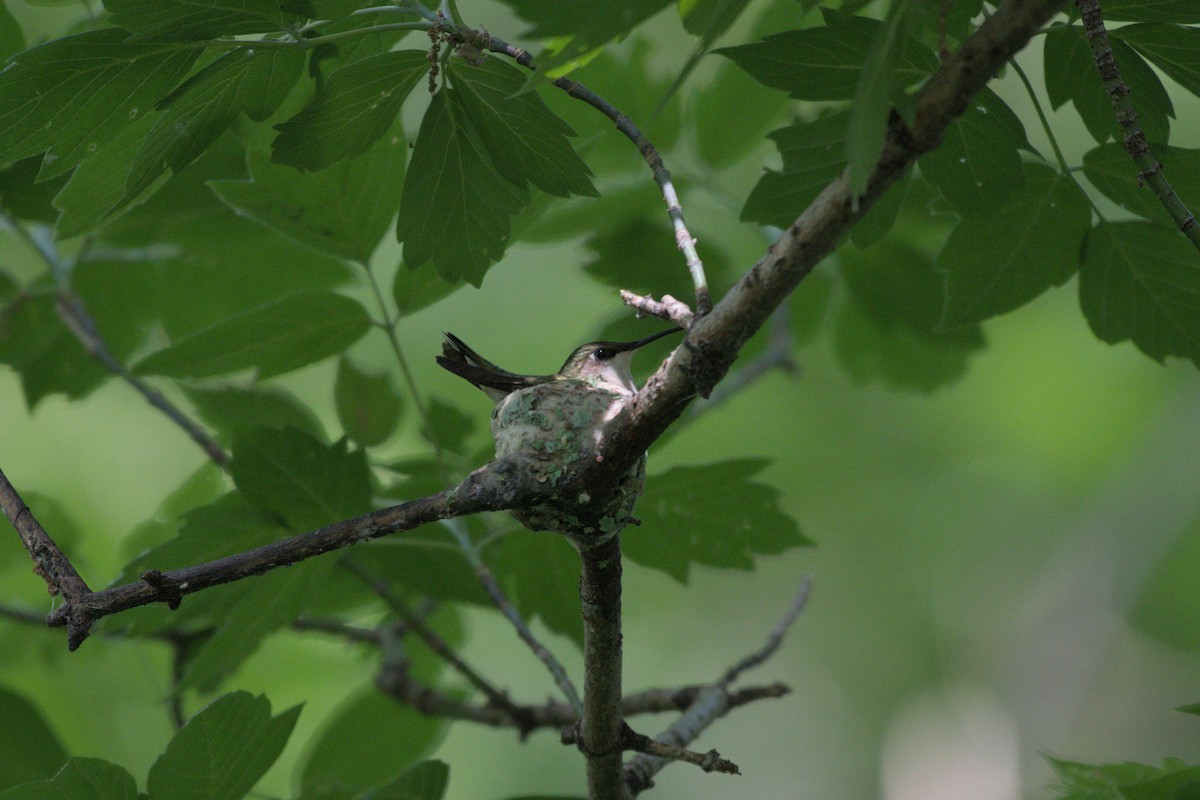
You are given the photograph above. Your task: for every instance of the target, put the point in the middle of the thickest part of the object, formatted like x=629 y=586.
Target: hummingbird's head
x=607 y=364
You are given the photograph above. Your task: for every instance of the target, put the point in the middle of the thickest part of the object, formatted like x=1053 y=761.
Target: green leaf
x=228 y=407
x=641 y=255
x=222 y=751
x=583 y=26
x=344 y=210
x=425 y=781
x=250 y=82
x=867 y=128
x=21 y=194
x=813 y=155
x=205 y=485
x=713 y=514
x=526 y=140
x=1192 y=708
x=248 y=615
x=223 y=527
x=733 y=94
x=1033 y=243
x=1182 y=11
x=708 y=19
x=294 y=476
x=1071 y=76
x=826 y=62
x=427 y=564
x=31 y=751
x=414 y=289
x=357 y=105
x=79 y=779
x=368 y=740
x=457 y=208
x=448 y=427
x=880 y=218
x=978 y=164
x=540 y=574
x=95 y=195
x=888 y=330
x=70 y=96
x=278 y=337
x=11 y=38
x=1142 y=282
x=197 y=19
x=367 y=405
x=1174 y=49
x=1111 y=170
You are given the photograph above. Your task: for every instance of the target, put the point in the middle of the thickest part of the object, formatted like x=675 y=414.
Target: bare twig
x=1151 y=170
x=710 y=704
x=668 y=308
x=709 y=762
x=416 y=623
x=335 y=627
x=683 y=238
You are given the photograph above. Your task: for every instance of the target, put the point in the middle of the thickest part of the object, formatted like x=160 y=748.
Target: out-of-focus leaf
x=204 y=486
x=880 y=218
x=279 y=337
x=11 y=38
x=1139 y=281
x=1071 y=75
x=40 y=753
x=1110 y=169
x=343 y=210
x=222 y=751
x=708 y=19
x=79 y=779
x=1181 y=11
x=367 y=405
x=526 y=140
x=324 y=9
x=428 y=565
x=978 y=164
x=540 y=574
x=22 y=196
x=1033 y=241
x=813 y=155
x=888 y=328
x=424 y=781
x=357 y=105
x=414 y=289
x=70 y=96
x=301 y=480
x=229 y=407
x=368 y=740
x=457 y=208
x=582 y=26
x=270 y=602
x=642 y=256
x=825 y=62
x=1175 y=49
x=1175 y=780
x=713 y=514
x=197 y=19
x=250 y=82
x=448 y=427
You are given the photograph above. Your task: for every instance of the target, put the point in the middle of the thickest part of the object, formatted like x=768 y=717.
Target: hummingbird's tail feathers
x=496 y=382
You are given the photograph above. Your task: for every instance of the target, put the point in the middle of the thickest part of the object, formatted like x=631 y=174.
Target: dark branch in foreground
x=1151 y=170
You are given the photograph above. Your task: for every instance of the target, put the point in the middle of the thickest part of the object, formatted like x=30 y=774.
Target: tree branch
x=1151 y=169
x=49 y=562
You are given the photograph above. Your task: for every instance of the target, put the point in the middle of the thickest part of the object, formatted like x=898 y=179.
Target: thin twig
x=430 y=637
x=335 y=627
x=683 y=238
x=487 y=579
x=712 y=703
x=50 y=564
x=668 y=308
x=1150 y=168
x=711 y=761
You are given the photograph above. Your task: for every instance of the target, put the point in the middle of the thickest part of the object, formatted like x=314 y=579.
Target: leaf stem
x=1037 y=106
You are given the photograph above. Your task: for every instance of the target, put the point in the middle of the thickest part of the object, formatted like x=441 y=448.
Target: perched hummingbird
x=603 y=365
x=554 y=424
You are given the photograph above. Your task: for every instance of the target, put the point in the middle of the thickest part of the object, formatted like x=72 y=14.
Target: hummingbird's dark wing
x=464 y=362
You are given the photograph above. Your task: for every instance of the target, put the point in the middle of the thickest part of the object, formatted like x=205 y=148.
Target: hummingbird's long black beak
x=621 y=347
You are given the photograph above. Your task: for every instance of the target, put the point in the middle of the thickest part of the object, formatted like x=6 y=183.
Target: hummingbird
x=553 y=425
x=602 y=365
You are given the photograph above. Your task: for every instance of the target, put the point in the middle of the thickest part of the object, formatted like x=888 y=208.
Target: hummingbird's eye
x=603 y=354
